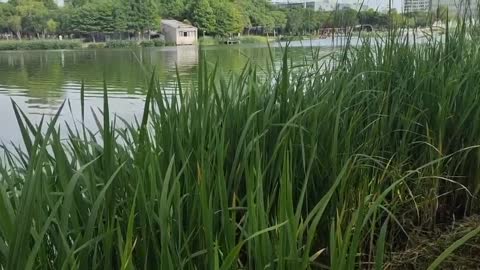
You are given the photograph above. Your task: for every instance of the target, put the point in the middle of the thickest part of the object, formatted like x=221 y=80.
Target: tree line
x=89 y=18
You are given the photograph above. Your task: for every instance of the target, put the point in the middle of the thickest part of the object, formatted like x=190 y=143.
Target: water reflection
x=39 y=81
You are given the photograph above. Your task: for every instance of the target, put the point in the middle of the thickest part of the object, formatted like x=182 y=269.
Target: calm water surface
x=39 y=81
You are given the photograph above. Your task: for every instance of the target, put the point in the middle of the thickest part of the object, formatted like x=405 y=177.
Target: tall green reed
x=323 y=165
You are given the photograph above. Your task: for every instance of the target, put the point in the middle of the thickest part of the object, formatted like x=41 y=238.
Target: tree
x=52 y=26
x=397 y=19
x=49 y=4
x=295 y=21
x=419 y=19
x=141 y=15
x=173 y=9
x=15 y=25
x=228 y=19
x=279 y=19
x=94 y=18
x=64 y=18
x=202 y=16
x=76 y=3
x=6 y=11
x=34 y=16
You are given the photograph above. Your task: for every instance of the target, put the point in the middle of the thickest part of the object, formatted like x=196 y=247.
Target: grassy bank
x=328 y=165
x=54 y=44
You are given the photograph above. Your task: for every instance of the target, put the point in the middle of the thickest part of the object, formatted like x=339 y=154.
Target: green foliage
x=52 y=26
x=228 y=20
x=141 y=15
x=101 y=17
x=173 y=9
x=6 y=11
x=40 y=45
x=34 y=16
x=15 y=24
x=419 y=19
x=96 y=46
x=279 y=19
x=152 y=43
x=159 y=43
x=202 y=15
x=322 y=165
x=115 y=44
x=147 y=43
x=373 y=17
x=213 y=17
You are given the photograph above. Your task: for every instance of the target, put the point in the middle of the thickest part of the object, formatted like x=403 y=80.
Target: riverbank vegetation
x=134 y=19
x=55 y=44
x=206 y=41
x=11 y=45
x=329 y=164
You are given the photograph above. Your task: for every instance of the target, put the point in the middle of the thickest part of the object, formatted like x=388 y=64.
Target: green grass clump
x=11 y=45
x=96 y=45
x=329 y=164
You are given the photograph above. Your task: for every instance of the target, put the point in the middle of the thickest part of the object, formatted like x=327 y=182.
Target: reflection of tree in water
x=45 y=75
x=232 y=59
x=38 y=75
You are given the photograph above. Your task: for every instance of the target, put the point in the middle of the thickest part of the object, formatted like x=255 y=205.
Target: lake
x=39 y=81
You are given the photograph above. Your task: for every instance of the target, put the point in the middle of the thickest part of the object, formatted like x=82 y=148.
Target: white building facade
x=416 y=5
x=325 y=5
x=312 y=4
x=457 y=7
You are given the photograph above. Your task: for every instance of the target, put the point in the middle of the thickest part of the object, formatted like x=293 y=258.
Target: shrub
x=115 y=44
x=147 y=43
x=96 y=45
x=159 y=42
x=39 y=45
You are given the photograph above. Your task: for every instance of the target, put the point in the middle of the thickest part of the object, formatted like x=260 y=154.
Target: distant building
x=352 y=5
x=416 y=5
x=457 y=7
x=325 y=5
x=179 y=33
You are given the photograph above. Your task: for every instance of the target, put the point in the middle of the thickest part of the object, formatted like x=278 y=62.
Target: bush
x=115 y=44
x=96 y=45
x=147 y=43
x=159 y=42
x=11 y=45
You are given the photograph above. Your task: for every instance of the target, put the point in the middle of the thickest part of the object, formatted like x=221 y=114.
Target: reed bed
x=326 y=165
